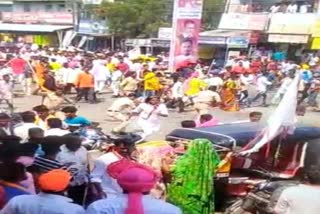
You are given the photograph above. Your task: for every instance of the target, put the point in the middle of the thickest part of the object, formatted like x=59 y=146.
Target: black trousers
x=87 y=93
x=76 y=193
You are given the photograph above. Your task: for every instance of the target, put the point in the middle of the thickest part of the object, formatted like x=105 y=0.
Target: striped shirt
x=43 y=165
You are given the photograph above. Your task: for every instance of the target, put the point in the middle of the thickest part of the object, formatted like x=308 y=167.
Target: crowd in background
x=40 y=152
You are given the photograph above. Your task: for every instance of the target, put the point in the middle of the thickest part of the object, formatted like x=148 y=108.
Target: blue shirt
x=77 y=120
x=41 y=204
x=11 y=192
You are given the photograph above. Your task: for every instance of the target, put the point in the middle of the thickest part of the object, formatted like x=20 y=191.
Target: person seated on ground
x=11 y=174
x=188 y=124
x=50 y=200
x=22 y=131
x=55 y=100
x=255 y=116
x=72 y=117
x=43 y=114
x=55 y=128
x=206 y=120
x=136 y=182
x=117 y=108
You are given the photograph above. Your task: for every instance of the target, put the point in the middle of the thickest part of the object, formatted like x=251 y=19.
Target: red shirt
x=17 y=65
x=272 y=66
x=123 y=67
x=238 y=69
x=255 y=66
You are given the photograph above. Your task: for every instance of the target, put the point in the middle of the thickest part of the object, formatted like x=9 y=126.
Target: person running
x=149 y=113
x=50 y=200
x=262 y=86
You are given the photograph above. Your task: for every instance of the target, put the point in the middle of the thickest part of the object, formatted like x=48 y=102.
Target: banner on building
x=283 y=38
x=185 y=36
x=242 y=21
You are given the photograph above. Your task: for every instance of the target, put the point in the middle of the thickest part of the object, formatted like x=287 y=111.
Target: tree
x=135 y=18
x=142 y=18
x=212 y=11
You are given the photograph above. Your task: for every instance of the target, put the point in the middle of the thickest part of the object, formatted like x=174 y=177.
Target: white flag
x=283 y=118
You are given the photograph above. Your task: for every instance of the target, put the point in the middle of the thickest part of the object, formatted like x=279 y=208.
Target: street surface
x=97 y=113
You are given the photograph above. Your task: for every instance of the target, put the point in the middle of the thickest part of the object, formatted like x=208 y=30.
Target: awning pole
x=60 y=34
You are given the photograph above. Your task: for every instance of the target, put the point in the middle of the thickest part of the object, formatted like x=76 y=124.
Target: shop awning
x=225 y=33
x=33 y=28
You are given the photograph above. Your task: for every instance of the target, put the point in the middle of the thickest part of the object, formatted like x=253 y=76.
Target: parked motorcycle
x=95 y=139
x=262 y=199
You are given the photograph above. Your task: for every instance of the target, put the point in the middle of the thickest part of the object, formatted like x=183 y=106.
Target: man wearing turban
x=136 y=181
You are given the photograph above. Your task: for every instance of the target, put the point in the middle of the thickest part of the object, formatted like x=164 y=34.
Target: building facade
x=43 y=22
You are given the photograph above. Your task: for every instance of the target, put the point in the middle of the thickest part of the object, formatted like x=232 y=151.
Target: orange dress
x=229 y=100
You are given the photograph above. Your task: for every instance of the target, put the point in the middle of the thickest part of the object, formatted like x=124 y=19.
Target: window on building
x=48 y=7
x=26 y=8
x=61 y=7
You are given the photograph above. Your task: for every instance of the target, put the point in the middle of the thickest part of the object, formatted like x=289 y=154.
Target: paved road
x=97 y=112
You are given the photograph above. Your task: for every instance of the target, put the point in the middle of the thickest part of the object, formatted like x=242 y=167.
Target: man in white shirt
x=304 y=7
x=178 y=95
x=22 y=130
x=292 y=7
x=137 y=182
x=103 y=183
x=285 y=83
x=100 y=74
x=303 y=198
x=275 y=8
x=55 y=128
x=116 y=81
x=75 y=157
x=262 y=87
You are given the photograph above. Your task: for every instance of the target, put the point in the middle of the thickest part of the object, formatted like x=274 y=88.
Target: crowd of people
x=44 y=165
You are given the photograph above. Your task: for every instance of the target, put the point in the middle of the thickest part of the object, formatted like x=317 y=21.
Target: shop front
x=51 y=35
x=291 y=33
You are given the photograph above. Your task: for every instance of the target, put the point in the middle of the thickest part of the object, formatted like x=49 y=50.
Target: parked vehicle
x=283 y=159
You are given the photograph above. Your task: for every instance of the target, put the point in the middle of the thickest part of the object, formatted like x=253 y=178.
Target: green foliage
x=142 y=18
x=135 y=18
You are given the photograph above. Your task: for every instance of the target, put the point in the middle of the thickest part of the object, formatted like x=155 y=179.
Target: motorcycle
x=262 y=198
x=95 y=139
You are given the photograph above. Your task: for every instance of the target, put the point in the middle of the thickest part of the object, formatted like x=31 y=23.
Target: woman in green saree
x=191 y=187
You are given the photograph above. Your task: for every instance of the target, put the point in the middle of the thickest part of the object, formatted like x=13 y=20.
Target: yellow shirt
x=194 y=86
x=151 y=82
x=43 y=124
x=55 y=66
x=111 y=67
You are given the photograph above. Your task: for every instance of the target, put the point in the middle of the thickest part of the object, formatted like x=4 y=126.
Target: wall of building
x=39 y=7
